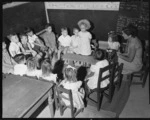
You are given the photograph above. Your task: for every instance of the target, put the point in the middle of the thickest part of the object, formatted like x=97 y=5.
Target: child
x=75 y=39
x=20 y=68
x=15 y=46
x=85 y=36
x=93 y=73
x=32 y=68
x=35 y=42
x=47 y=71
x=49 y=38
x=113 y=41
x=64 y=41
x=26 y=45
x=70 y=82
x=8 y=63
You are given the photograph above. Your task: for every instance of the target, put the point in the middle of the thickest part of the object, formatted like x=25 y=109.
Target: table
x=22 y=96
x=81 y=59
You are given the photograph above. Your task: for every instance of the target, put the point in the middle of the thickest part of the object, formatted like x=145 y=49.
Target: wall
x=16 y=18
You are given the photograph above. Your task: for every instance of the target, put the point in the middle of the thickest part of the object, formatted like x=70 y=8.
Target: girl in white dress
x=113 y=41
x=85 y=37
x=70 y=82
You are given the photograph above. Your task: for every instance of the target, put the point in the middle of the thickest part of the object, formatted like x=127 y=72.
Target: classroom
x=75 y=59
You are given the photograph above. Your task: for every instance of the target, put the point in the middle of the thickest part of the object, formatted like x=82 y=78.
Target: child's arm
x=21 y=47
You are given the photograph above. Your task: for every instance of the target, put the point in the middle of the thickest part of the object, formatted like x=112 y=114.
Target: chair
x=60 y=104
x=143 y=73
x=102 y=91
x=118 y=75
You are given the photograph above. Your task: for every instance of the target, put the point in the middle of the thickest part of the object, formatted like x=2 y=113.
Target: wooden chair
x=118 y=75
x=102 y=91
x=143 y=73
x=60 y=103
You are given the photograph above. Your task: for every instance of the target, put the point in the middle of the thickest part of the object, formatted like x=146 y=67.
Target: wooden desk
x=84 y=60
x=22 y=96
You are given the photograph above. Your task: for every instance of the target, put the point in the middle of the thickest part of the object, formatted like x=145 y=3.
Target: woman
x=132 y=58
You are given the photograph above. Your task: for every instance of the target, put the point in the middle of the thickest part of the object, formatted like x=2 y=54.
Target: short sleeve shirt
x=14 y=47
x=64 y=41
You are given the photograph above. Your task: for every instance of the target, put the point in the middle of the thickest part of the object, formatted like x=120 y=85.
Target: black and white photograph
x=75 y=59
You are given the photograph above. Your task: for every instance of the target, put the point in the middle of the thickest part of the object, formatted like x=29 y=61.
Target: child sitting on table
x=113 y=41
x=8 y=62
x=50 y=38
x=93 y=72
x=75 y=39
x=32 y=68
x=70 y=82
x=20 y=68
x=85 y=37
x=64 y=41
x=47 y=71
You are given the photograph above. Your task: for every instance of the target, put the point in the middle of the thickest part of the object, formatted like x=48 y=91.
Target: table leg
x=51 y=102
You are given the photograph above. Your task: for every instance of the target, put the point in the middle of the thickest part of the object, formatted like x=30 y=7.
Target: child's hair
x=70 y=74
x=75 y=28
x=64 y=29
x=113 y=35
x=84 y=22
x=48 y=25
x=46 y=67
x=31 y=63
x=99 y=55
x=130 y=30
x=28 y=30
x=19 y=58
x=12 y=34
x=21 y=35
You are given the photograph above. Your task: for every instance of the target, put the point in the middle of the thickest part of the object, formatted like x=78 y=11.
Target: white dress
x=84 y=44
x=77 y=95
x=36 y=73
x=75 y=43
x=20 y=69
x=92 y=83
x=51 y=77
x=114 y=45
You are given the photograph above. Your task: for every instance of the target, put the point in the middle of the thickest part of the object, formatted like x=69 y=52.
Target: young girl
x=64 y=41
x=75 y=39
x=47 y=71
x=85 y=36
x=93 y=72
x=32 y=68
x=113 y=41
x=70 y=82
x=8 y=62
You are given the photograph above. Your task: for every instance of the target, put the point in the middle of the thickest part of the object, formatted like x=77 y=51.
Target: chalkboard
x=102 y=21
x=31 y=14
x=137 y=13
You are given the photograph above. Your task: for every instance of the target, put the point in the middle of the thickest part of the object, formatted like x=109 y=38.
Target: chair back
x=110 y=68
x=60 y=90
x=118 y=71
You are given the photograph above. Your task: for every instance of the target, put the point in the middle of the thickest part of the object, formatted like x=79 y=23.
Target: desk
x=84 y=60
x=22 y=96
